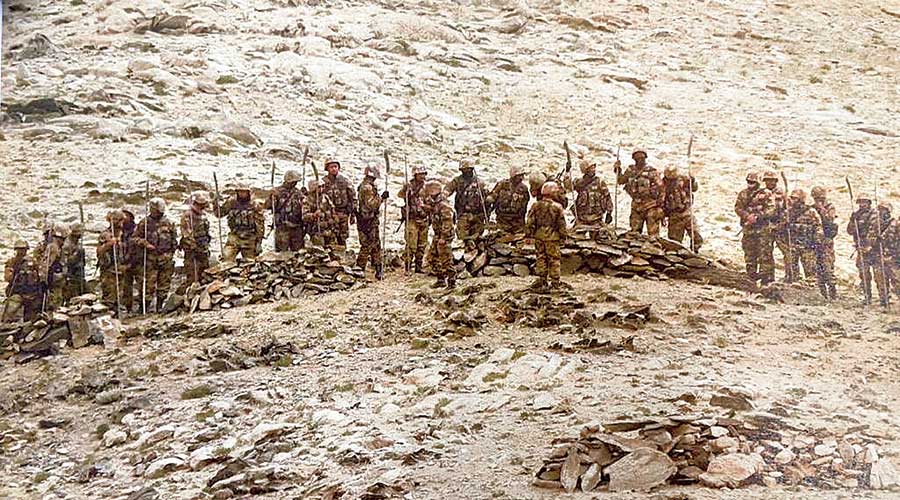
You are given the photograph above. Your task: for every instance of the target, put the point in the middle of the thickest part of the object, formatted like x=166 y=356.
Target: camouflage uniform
x=807 y=237
x=441 y=216
x=779 y=223
x=23 y=289
x=130 y=263
x=677 y=208
x=290 y=231
x=892 y=253
x=50 y=261
x=593 y=204
x=879 y=265
x=470 y=206
x=195 y=239
x=416 y=223
x=547 y=225
x=367 y=225
x=320 y=219
x=111 y=256
x=163 y=236
x=828 y=215
x=343 y=198
x=755 y=208
x=644 y=185
x=74 y=258
x=510 y=201
x=861 y=228
x=246 y=228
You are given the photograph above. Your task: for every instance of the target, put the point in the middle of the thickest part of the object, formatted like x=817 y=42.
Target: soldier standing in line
x=74 y=256
x=891 y=240
x=879 y=261
x=416 y=219
x=367 y=225
x=160 y=245
x=779 y=223
x=754 y=208
x=807 y=237
x=111 y=248
x=859 y=227
x=320 y=217
x=644 y=184
x=246 y=225
x=546 y=225
x=50 y=261
x=593 y=204
x=195 y=238
x=509 y=199
x=340 y=193
x=442 y=216
x=470 y=204
x=23 y=286
x=677 y=207
x=290 y=231
x=828 y=215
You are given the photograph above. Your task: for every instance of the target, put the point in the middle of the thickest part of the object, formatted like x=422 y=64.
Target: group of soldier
x=135 y=259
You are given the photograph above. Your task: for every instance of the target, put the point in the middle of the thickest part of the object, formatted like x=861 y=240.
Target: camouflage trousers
x=56 y=296
x=159 y=280
x=127 y=279
x=469 y=228
x=416 y=242
x=758 y=254
x=893 y=269
x=547 y=259
x=195 y=263
x=791 y=272
x=108 y=287
x=799 y=255
x=827 y=250
x=883 y=276
x=289 y=239
x=441 y=258
x=814 y=262
x=511 y=224
x=19 y=307
x=680 y=225
x=341 y=231
x=369 y=243
x=650 y=217
x=236 y=245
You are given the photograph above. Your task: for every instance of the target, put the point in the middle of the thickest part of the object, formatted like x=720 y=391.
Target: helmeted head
x=535 y=181
x=752 y=179
x=798 y=196
x=549 y=189
x=864 y=201
x=432 y=190
x=20 y=246
x=116 y=218
x=587 y=167
x=129 y=216
x=770 y=178
x=76 y=230
x=884 y=207
x=242 y=190
x=516 y=171
x=332 y=166
x=670 y=173
x=419 y=172
x=819 y=193
x=467 y=167
x=639 y=156
x=157 y=206
x=199 y=200
x=372 y=172
x=291 y=178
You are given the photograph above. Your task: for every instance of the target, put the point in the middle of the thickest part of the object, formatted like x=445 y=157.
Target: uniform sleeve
x=371 y=199
x=452 y=186
x=447 y=223
x=402 y=193
x=529 y=222
x=9 y=270
x=351 y=195
x=561 y=223
x=607 y=199
x=187 y=232
x=139 y=232
x=224 y=208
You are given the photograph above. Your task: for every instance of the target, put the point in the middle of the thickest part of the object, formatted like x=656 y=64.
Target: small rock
x=731 y=470
x=163 y=466
x=823 y=450
x=640 y=470
x=884 y=475
x=107 y=397
x=544 y=401
x=785 y=456
x=114 y=437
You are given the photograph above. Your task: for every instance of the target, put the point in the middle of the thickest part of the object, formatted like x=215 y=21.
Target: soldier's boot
x=418 y=267
x=379 y=271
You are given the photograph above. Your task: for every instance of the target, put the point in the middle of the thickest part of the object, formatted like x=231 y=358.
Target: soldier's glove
x=608 y=217
x=385 y=195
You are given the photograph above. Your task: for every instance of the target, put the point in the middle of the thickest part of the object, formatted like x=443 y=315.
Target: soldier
x=442 y=217
x=779 y=223
x=892 y=253
x=536 y=181
x=246 y=225
x=807 y=236
x=320 y=217
x=340 y=193
x=160 y=244
x=369 y=203
x=74 y=257
x=469 y=203
x=860 y=227
x=593 y=205
x=510 y=200
x=754 y=208
x=111 y=248
x=50 y=262
x=129 y=262
x=416 y=219
x=23 y=286
x=547 y=226
x=828 y=215
x=879 y=260
x=644 y=184
x=195 y=238
x=677 y=207
x=290 y=231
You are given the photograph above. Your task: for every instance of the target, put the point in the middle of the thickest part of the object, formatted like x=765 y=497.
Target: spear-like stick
x=218 y=215
x=406 y=206
x=691 y=191
x=272 y=198
x=116 y=268
x=146 y=226
x=82 y=281
x=616 y=196
x=787 y=221
x=387 y=173
x=879 y=241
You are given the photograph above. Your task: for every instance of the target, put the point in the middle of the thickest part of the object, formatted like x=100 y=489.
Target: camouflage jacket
x=161 y=233
x=644 y=186
x=892 y=241
x=195 y=236
x=288 y=205
x=678 y=195
x=470 y=197
x=413 y=201
x=546 y=221
x=593 y=197
x=442 y=221
x=73 y=252
x=780 y=202
x=50 y=261
x=320 y=217
x=341 y=194
x=828 y=215
x=21 y=277
x=509 y=200
x=757 y=203
x=806 y=227
x=110 y=256
x=245 y=218
x=368 y=201
x=862 y=222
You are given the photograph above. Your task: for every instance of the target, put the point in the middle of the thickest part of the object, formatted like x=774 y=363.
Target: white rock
x=785 y=456
x=544 y=401
x=823 y=450
x=114 y=437
x=731 y=470
x=884 y=475
x=163 y=466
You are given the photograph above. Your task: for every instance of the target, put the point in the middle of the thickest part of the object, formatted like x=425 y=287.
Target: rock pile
x=82 y=322
x=270 y=277
x=599 y=250
x=717 y=452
